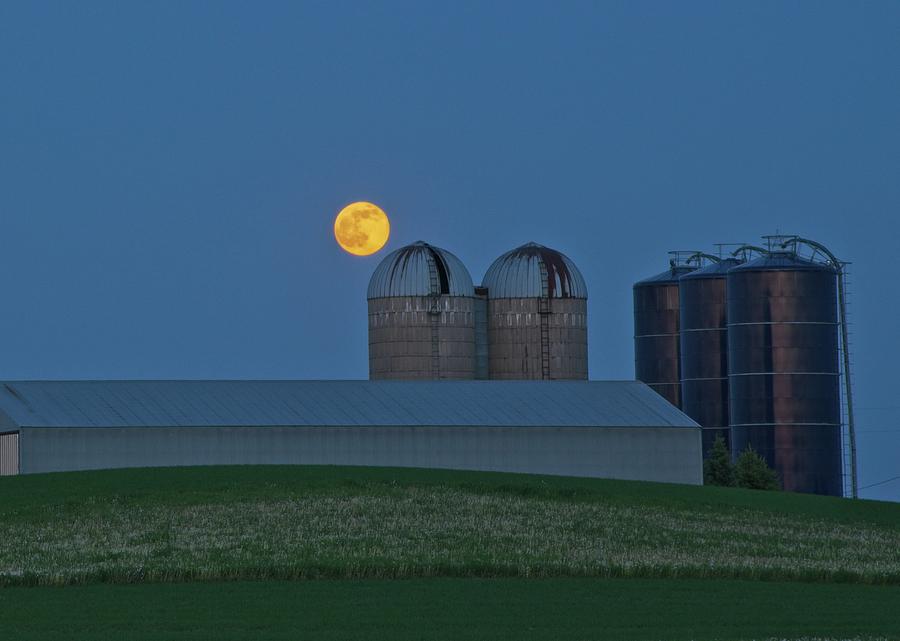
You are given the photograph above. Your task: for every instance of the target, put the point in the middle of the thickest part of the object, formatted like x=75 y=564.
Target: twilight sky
x=169 y=172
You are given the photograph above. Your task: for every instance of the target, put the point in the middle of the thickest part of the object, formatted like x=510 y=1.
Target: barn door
x=9 y=453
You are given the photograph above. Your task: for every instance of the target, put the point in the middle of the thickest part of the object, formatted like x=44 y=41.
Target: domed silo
x=783 y=375
x=537 y=316
x=657 y=345
x=421 y=321
x=704 y=349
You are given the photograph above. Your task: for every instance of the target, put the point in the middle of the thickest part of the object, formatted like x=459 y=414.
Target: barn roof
x=334 y=403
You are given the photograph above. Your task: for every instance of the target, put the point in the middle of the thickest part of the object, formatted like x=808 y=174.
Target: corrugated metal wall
x=664 y=454
x=9 y=453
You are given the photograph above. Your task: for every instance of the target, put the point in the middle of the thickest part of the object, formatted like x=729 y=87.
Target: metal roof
x=783 y=261
x=334 y=403
x=420 y=269
x=671 y=275
x=518 y=274
x=713 y=270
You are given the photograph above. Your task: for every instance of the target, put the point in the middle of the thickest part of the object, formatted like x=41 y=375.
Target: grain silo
x=783 y=369
x=537 y=316
x=704 y=348
x=421 y=320
x=657 y=348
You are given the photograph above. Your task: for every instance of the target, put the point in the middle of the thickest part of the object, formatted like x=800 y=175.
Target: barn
x=613 y=429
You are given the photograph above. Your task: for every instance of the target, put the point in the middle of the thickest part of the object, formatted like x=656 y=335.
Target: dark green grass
x=187 y=524
x=453 y=609
x=30 y=494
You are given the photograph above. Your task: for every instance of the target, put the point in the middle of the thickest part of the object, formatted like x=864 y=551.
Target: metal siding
x=657 y=349
x=783 y=369
x=9 y=454
x=650 y=454
x=87 y=404
x=704 y=349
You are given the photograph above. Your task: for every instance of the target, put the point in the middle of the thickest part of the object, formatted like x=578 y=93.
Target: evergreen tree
x=752 y=472
x=717 y=468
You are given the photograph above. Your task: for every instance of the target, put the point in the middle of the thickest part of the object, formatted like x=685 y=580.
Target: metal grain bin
x=704 y=349
x=657 y=346
x=783 y=368
x=537 y=316
x=421 y=316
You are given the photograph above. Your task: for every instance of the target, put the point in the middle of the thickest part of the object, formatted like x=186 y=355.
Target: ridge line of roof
x=313 y=380
x=197 y=402
x=292 y=426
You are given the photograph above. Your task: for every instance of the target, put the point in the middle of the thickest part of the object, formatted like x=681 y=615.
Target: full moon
x=361 y=228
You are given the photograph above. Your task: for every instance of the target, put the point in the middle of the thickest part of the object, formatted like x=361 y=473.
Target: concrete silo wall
x=421 y=337
x=534 y=338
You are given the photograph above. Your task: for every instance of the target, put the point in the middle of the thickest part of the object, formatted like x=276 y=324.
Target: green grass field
x=295 y=522
x=174 y=553
x=453 y=610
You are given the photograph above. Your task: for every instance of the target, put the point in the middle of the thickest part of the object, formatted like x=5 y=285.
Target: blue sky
x=169 y=172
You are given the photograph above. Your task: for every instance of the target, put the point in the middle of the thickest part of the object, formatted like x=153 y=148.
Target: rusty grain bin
x=783 y=374
x=704 y=349
x=657 y=349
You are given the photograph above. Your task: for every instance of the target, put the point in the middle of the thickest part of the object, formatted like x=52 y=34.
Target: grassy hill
x=231 y=523
x=396 y=554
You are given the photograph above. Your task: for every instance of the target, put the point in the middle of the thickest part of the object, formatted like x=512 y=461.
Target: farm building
x=614 y=429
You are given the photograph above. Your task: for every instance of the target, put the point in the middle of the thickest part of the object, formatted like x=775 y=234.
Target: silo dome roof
x=420 y=269
x=519 y=274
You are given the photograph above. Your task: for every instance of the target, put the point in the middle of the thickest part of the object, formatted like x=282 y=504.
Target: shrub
x=717 y=468
x=752 y=472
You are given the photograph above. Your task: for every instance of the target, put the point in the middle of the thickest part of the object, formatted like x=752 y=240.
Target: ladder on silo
x=848 y=432
x=544 y=314
x=434 y=317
